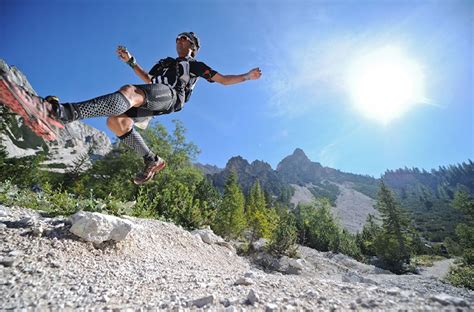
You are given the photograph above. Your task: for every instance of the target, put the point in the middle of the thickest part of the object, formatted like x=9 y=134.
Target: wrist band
x=247 y=76
x=132 y=62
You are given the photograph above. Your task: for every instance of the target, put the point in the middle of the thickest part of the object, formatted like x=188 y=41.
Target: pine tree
x=463 y=274
x=230 y=218
x=209 y=199
x=392 y=243
x=260 y=219
x=465 y=231
x=283 y=240
x=366 y=239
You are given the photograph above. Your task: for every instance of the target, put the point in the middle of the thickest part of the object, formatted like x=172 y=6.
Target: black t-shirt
x=164 y=71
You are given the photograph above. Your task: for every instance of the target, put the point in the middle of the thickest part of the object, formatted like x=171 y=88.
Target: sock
x=112 y=104
x=134 y=140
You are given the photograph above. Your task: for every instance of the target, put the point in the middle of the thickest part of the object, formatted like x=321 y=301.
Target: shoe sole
x=153 y=172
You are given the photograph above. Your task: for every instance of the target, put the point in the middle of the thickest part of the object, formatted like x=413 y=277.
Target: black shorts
x=159 y=99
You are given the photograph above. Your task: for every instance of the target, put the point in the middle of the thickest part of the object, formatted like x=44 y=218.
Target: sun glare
x=385 y=84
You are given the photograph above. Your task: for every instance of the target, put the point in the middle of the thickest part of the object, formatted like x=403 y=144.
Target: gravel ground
x=162 y=266
x=439 y=269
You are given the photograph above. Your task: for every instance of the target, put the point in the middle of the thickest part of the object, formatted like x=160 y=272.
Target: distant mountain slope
x=208 y=169
x=428 y=195
x=352 y=208
x=425 y=195
x=248 y=174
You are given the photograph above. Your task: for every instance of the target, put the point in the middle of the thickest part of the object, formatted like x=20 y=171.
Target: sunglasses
x=186 y=38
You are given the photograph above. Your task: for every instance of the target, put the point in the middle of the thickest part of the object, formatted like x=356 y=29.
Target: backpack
x=188 y=88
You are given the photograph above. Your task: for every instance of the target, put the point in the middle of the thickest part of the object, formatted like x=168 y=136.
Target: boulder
x=97 y=228
x=208 y=236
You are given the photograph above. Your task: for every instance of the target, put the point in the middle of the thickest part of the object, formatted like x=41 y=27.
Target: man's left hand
x=254 y=74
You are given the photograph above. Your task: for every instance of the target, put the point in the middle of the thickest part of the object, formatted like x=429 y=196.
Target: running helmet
x=194 y=41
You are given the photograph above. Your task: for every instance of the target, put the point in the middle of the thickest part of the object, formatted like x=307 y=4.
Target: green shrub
x=283 y=240
x=462 y=276
x=425 y=260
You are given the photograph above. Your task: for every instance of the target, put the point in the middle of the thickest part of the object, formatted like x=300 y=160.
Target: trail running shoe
x=56 y=108
x=151 y=167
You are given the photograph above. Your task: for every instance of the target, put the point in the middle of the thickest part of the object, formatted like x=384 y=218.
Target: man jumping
x=168 y=85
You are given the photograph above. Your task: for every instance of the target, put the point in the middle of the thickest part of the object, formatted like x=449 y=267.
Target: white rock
x=96 y=227
x=394 y=291
x=208 y=236
x=271 y=307
x=290 y=265
x=260 y=244
x=4 y=212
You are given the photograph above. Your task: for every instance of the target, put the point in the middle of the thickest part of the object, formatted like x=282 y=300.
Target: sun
x=385 y=84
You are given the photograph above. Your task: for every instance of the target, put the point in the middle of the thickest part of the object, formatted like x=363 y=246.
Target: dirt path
x=439 y=268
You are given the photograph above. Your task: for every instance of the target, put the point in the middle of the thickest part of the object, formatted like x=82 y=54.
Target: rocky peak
x=299 y=169
x=299 y=153
x=238 y=164
x=260 y=166
x=298 y=158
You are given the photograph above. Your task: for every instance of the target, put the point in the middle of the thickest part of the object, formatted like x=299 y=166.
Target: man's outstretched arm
x=233 y=79
x=130 y=60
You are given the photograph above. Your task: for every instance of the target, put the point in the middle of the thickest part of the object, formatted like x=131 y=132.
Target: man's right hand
x=123 y=53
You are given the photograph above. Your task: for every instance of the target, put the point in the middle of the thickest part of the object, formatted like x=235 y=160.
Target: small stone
x=249 y=274
x=252 y=297
x=312 y=293
x=105 y=299
x=244 y=281
x=405 y=293
x=201 y=302
x=26 y=222
x=55 y=265
x=271 y=307
x=15 y=253
x=394 y=291
x=38 y=231
x=3 y=226
x=353 y=306
x=227 y=302
x=7 y=261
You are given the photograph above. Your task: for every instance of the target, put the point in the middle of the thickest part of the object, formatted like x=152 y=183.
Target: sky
x=320 y=60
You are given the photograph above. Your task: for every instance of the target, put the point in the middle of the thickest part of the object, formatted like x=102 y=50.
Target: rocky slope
x=162 y=266
x=352 y=208
x=75 y=140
